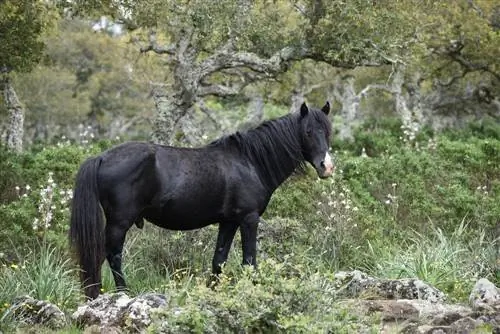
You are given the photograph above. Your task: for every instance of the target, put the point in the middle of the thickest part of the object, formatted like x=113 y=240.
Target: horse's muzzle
x=326 y=167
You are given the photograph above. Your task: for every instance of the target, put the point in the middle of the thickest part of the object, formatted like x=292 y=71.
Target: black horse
x=230 y=181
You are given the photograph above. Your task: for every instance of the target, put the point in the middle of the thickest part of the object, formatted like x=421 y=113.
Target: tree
x=447 y=76
x=22 y=24
x=215 y=48
x=87 y=79
x=453 y=72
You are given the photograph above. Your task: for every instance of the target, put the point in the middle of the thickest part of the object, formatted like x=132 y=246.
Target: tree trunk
x=345 y=93
x=170 y=108
x=297 y=97
x=408 y=103
x=15 y=126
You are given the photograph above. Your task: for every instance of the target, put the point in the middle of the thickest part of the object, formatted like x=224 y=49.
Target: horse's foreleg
x=115 y=238
x=223 y=245
x=248 y=230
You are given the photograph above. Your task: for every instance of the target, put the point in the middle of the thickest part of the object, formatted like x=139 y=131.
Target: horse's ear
x=304 y=110
x=326 y=108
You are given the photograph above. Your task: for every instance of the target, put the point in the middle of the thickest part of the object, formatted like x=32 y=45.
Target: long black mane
x=274 y=147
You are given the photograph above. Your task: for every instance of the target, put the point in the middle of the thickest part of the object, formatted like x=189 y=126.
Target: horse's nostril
x=322 y=164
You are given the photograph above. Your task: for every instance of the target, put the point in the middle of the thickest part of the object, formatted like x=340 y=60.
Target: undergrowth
x=426 y=207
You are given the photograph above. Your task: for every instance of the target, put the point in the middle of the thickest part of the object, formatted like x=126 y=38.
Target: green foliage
x=158 y=256
x=356 y=32
x=451 y=262
x=261 y=26
x=44 y=273
x=36 y=194
x=476 y=33
x=266 y=301
x=401 y=188
x=22 y=24
x=87 y=78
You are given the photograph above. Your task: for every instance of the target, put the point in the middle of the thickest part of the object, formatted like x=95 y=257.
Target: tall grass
x=451 y=262
x=45 y=273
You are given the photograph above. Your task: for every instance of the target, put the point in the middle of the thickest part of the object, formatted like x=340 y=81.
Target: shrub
x=266 y=301
x=37 y=204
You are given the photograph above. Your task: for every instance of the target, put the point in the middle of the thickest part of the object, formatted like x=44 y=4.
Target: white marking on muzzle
x=328 y=164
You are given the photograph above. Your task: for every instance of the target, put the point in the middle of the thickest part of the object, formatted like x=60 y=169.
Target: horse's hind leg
x=115 y=238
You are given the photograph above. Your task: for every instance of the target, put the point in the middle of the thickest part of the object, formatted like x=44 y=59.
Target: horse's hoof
x=213 y=281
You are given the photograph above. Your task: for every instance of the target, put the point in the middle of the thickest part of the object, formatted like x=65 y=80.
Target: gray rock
x=485 y=296
x=29 y=311
x=463 y=326
x=96 y=329
x=402 y=305
x=355 y=283
x=427 y=329
x=491 y=321
x=413 y=316
x=119 y=311
x=105 y=310
x=139 y=311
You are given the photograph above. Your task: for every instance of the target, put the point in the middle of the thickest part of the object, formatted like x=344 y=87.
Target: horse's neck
x=287 y=168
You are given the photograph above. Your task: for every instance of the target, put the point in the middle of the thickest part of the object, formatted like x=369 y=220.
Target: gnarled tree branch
x=226 y=58
x=155 y=47
x=219 y=90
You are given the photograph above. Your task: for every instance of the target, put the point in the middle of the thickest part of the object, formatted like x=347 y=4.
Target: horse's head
x=315 y=130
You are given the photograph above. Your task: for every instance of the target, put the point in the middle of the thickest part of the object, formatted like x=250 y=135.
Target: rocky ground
x=403 y=306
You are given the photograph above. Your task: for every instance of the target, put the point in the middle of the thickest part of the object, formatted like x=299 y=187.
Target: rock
x=30 y=311
x=96 y=329
x=355 y=283
x=390 y=310
x=139 y=311
x=485 y=296
x=408 y=316
x=400 y=306
x=105 y=310
x=110 y=312
x=427 y=329
x=463 y=326
x=491 y=321
x=422 y=316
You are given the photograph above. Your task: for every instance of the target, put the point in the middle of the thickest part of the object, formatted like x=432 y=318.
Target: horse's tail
x=86 y=231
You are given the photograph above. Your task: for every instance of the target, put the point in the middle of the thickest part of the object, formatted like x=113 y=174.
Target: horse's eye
x=309 y=132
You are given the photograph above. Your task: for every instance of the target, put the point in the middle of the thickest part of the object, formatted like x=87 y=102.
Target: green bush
x=37 y=194
x=404 y=188
x=451 y=262
x=266 y=301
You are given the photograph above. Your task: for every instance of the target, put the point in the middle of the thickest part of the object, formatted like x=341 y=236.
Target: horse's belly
x=183 y=225
x=180 y=221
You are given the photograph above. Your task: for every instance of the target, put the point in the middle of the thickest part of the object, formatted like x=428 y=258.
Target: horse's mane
x=274 y=147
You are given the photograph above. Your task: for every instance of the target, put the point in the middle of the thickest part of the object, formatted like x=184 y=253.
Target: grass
x=294 y=284
x=45 y=274
x=451 y=262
